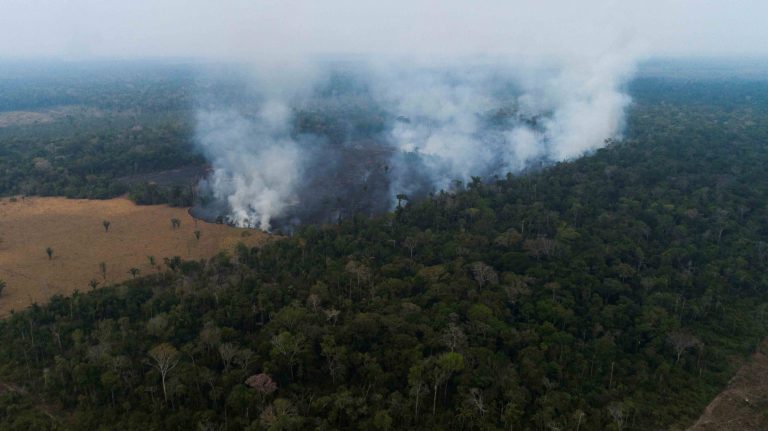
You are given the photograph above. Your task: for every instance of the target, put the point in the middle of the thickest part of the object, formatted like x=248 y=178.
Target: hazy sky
x=240 y=29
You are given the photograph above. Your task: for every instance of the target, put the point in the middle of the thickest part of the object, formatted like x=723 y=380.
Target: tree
x=197 y=235
x=682 y=341
x=106 y=224
x=410 y=243
x=134 y=272
x=227 y=352
x=382 y=420
x=174 y=263
x=262 y=384
x=334 y=356
x=440 y=369
x=175 y=223
x=484 y=273
x=418 y=384
x=93 y=284
x=400 y=198
x=49 y=252
x=579 y=416
x=616 y=410
x=103 y=269
x=280 y=415
x=165 y=358
x=2 y=286
x=288 y=346
x=541 y=246
x=454 y=337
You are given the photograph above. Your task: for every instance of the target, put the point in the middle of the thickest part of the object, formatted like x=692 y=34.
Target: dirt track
x=73 y=229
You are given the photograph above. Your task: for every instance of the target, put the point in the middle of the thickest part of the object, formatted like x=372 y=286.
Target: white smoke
x=559 y=111
x=256 y=166
x=505 y=99
x=477 y=118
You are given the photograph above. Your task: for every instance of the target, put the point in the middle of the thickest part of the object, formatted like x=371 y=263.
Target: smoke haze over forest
x=340 y=106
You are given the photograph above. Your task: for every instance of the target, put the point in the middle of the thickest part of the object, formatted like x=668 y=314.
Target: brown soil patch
x=46 y=116
x=742 y=406
x=73 y=229
x=24 y=118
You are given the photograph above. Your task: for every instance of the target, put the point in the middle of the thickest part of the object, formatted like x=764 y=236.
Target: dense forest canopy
x=610 y=292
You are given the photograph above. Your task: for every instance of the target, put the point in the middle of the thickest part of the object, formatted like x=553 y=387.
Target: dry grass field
x=74 y=230
x=742 y=406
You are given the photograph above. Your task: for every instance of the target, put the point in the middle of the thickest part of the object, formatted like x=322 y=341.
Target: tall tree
x=165 y=358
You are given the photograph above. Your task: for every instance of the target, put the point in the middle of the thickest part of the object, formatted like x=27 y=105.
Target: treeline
x=117 y=86
x=96 y=123
x=612 y=292
x=82 y=157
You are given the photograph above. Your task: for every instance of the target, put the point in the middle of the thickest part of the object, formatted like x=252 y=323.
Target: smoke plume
x=354 y=134
x=331 y=136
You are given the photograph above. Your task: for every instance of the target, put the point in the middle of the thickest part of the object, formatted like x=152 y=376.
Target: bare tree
x=228 y=352
x=454 y=337
x=417 y=382
x=616 y=411
x=411 y=243
x=475 y=400
x=484 y=273
x=106 y=224
x=103 y=268
x=541 y=246
x=332 y=315
x=579 y=415
x=682 y=341
x=2 y=286
x=274 y=413
x=361 y=272
x=165 y=358
x=243 y=358
x=288 y=346
x=313 y=302
x=333 y=355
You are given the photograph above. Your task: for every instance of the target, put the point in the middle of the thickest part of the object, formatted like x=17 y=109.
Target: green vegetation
x=611 y=292
x=95 y=130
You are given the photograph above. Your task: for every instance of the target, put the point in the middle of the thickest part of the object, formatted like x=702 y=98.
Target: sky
x=248 y=30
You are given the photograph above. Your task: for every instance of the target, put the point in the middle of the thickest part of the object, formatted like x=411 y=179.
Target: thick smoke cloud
x=256 y=166
x=350 y=136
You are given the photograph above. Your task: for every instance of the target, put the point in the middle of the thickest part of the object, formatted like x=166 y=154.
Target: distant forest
x=613 y=292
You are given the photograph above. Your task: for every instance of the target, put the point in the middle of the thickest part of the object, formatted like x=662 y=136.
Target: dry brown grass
x=742 y=406
x=73 y=229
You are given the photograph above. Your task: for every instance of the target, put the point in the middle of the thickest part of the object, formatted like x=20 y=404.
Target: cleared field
x=73 y=229
x=742 y=406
